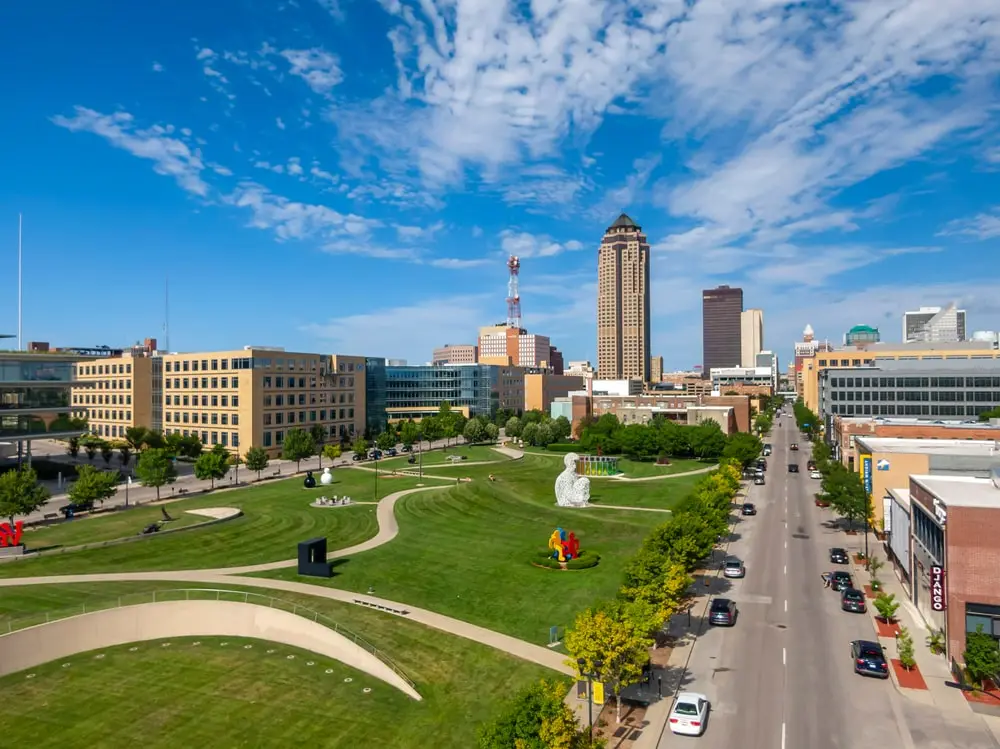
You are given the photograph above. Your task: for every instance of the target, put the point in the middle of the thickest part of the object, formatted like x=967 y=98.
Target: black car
x=357 y=458
x=853 y=600
x=391 y=452
x=793 y=446
x=838 y=556
x=841 y=580
x=869 y=659
x=749 y=508
x=406 y=448
x=758 y=480
x=722 y=613
x=793 y=467
x=762 y=464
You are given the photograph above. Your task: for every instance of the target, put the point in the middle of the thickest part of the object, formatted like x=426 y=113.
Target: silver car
x=734 y=567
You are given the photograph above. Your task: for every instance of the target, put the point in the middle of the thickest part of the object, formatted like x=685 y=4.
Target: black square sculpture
x=312 y=558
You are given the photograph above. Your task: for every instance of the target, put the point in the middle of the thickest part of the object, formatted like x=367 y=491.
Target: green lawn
x=639 y=469
x=276 y=516
x=466 y=551
x=440 y=458
x=111 y=525
x=208 y=695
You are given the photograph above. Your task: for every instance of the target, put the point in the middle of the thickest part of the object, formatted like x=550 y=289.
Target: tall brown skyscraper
x=721 y=309
x=623 y=302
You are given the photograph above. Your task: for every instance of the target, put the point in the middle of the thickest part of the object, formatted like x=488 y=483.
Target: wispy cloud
x=170 y=155
x=411 y=233
x=527 y=245
x=980 y=226
x=157 y=67
x=317 y=67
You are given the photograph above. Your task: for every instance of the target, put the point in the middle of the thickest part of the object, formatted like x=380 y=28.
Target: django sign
x=11 y=536
x=938 y=602
x=866 y=472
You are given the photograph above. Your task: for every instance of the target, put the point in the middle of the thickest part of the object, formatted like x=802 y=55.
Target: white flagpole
x=19 y=346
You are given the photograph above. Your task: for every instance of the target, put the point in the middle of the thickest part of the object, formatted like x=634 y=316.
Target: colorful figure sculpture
x=564 y=548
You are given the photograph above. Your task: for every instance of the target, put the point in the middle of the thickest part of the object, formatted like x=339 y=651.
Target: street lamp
x=590 y=676
x=376 y=475
x=128 y=483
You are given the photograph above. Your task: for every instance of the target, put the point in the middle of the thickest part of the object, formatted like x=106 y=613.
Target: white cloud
x=157 y=67
x=333 y=8
x=280 y=123
x=317 y=67
x=276 y=168
x=411 y=233
x=477 y=231
x=527 y=245
x=295 y=166
x=205 y=54
x=452 y=263
x=980 y=226
x=170 y=155
x=319 y=173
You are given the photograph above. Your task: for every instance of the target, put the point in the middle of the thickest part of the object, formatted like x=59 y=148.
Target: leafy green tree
x=904 y=646
x=360 y=447
x=107 y=452
x=332 y=452
x=743 y=448
x=561 y=429
x=430 y=428
x=91 y=449
x=154 y=440
x=124 y=455
x=993 y=413
x=409 y=433
x=530 y=433
x=20 y=493
x=92 y=486
x=385 y=440
x=537 y=717
x=73 y=446
x=513 y=428
x=156 y=468
x=474 y=431
x=136 y=438
x=211 y=466
x=846 y=493
x=256 y=459
x=298 y=446
x=492 y=432
x=534 y=416
x=886 y=605
x=707 y=440
x=502 y=416
x=318 y=432
x=981 y=656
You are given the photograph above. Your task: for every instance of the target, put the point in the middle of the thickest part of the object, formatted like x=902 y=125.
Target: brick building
x=732 y=413
x=846 y=430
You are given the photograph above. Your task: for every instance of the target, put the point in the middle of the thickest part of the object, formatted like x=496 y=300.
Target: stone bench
x=380 y=607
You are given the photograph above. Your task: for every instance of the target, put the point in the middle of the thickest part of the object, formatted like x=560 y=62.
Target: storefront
x=897 y=525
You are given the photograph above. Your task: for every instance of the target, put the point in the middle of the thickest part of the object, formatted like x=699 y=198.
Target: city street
x=783 y=676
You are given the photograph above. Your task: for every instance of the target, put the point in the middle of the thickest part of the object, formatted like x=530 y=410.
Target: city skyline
x=201 y=150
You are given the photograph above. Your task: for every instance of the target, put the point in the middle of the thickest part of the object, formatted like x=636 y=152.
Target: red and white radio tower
x=513 y=295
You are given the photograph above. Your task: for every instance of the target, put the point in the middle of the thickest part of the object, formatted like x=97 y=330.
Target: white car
x=815 y=475
x=689 y=714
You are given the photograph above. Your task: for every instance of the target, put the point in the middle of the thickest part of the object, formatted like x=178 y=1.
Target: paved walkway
x=624 y=477
x=625 y=507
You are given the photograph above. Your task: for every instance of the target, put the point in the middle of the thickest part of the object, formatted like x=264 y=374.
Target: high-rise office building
x=721 y=328
x=656 y=369
x=934 y=325
x=623 y=302
x=751 y=336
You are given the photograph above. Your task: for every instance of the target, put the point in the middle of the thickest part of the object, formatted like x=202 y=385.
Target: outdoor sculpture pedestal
x=572 y=490
x=327 y=478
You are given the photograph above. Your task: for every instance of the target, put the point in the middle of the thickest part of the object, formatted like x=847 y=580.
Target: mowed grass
x=108 y=526
x=440 y=458
x=466 y=551
x=637 y=468
x=276 y=517
x=221 y=697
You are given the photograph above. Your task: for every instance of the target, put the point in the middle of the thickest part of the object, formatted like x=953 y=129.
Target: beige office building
x=623 y=302
x=656 y=369
x=122 y=392
x=452 y=353
x=751 y=336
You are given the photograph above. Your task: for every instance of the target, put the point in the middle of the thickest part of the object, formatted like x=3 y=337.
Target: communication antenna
x=166 y=314
x=513 y=295
x=19 y=298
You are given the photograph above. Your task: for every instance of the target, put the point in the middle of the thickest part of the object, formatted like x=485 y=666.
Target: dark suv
x=749 y=508
x=853 y=600
x=869 y=659
x=793 y=467
x=838 y=556
x=722 y=613
x=841 y=580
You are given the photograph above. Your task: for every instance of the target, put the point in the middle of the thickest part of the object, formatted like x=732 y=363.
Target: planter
x=851 y=533
x=886 y=629
x=820 y=503
x=871 y=593
x=859 y=559
x=988 y=695
x=908 y=679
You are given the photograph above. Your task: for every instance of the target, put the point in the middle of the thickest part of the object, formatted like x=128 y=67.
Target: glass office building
x=951 y=390
x=413 y=391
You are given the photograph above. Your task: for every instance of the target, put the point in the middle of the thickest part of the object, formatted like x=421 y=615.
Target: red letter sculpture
x=11 y=536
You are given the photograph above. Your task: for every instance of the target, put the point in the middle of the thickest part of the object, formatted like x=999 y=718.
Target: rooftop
x=961 y=491
x=930 y=447
x=624 y=221
x=902 y=496
x=975 y=362
x=885 y=347
x=895 y=421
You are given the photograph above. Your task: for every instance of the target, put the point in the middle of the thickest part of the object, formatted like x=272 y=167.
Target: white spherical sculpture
x=327 y=478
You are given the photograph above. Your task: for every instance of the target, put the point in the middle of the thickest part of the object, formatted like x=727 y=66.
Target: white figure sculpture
x=572 y=490
x=327 y=478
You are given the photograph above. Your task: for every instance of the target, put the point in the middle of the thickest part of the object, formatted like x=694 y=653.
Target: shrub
x=583 y=562
x=562 y=447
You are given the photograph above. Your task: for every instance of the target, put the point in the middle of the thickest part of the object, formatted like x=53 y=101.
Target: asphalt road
x=782 y=677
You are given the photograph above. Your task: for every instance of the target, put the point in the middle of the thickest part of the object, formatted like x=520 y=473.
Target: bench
x=50 y=516
x=277 y=473
x=182 y=491
x=380 y=607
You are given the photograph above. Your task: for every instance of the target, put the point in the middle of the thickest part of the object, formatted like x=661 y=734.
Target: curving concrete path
x=624 y=477
x=27 y=648
x=624 y=507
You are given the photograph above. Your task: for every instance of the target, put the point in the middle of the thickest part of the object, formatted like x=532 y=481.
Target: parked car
x=357 y=458
x=391 y=452
x=869 y=659
x=749 y=508
x=758 y=480
x=853 y=600
x=406 y=448
x=734 y=567
x=689 y=715
x=840 y=580
x=722 y=613
x=793 y=446
x=815 y=475
x=762 y=464
x=838 y=555
x=767 y=450
x=811 y=465
x=793 y=467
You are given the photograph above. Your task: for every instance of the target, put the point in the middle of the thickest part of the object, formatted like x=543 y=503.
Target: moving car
x=815 y=475
x=810 y=465
x=853 y=600
x=749 y=508
x=734 y=567
x=767 y=450
x=869 y=659
x=841 y=580
x=838 y=555
x=689 y=715
x=723 y=613
x=793 y=467
x=758 y=480
x=793 y=446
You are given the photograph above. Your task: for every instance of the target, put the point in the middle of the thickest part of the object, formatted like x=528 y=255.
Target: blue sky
x=350 y=175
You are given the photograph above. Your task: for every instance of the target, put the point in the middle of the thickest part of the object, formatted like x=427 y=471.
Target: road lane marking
x=786 y=569
x=786 y=544
x=784 y=657
x=782 y=736
x=786 y=605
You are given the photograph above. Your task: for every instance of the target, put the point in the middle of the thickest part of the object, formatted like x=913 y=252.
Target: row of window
x=104 y=414
x=849 y=409
x=104 y=369
x=213 y=365
x=82 y=399
x=272 y=439
x=280 y=382
x=182 y=417
x=916 y=382
x=289 y=418
x=226 y=439
x=215 y=400
x=113 y=385
x=291 y=399
x=206 y=382
x=918 y=396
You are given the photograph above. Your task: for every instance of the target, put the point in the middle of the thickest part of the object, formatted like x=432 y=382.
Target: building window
x=267 y=439
x=236 y=419
x=236 y=402
x=234 y=437
x=279 y=438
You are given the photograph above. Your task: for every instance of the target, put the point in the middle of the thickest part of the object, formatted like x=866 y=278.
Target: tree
x=993 y=413
x=156 y=468
x=430 y=428
x=211 y=466
x=155 y=440
x=298 y=446
x=529 y=433
x=360 y=447
x=981 y=656
x=136 y=437
x=91 y=449
x=92 y=486
x=846 y=493
x=904 y=646
x=331 y=452
x=513 y=427
x=256 y=460
x=743 y=448
x=707 y=440
x=73 y=446
x=474 y=431
x=409 y=433
x=20 y=493
x=385 y=440
x=537 y=717
x=613 y=638
x=124 y=455
x=492 y=432
x=887 y=606
x=502 y=416
x=561 y=428
x=107 y=452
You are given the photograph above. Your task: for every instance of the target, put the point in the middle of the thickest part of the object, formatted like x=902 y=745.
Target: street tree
x=610 y=637
x=73 y=446
x=886 y=605
x=492 y=432
x=743 y=448
x=360 y=447
x=211 y=466
x=904 y=646
x=846 y=493
x=92 y=486
x=256 y=459
x=409 y=433
x=474 y=431
x=91 y=449
x=537 y=717
x=707 y=440
x=135 y=437
x=298 y=446
x=156 y=468
x=124 y=455
x=981 y=656
x=513 y=427
x=332 y=452
x=430 y=428
x=107 y=452
x=20 y=493
x=385 y=440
